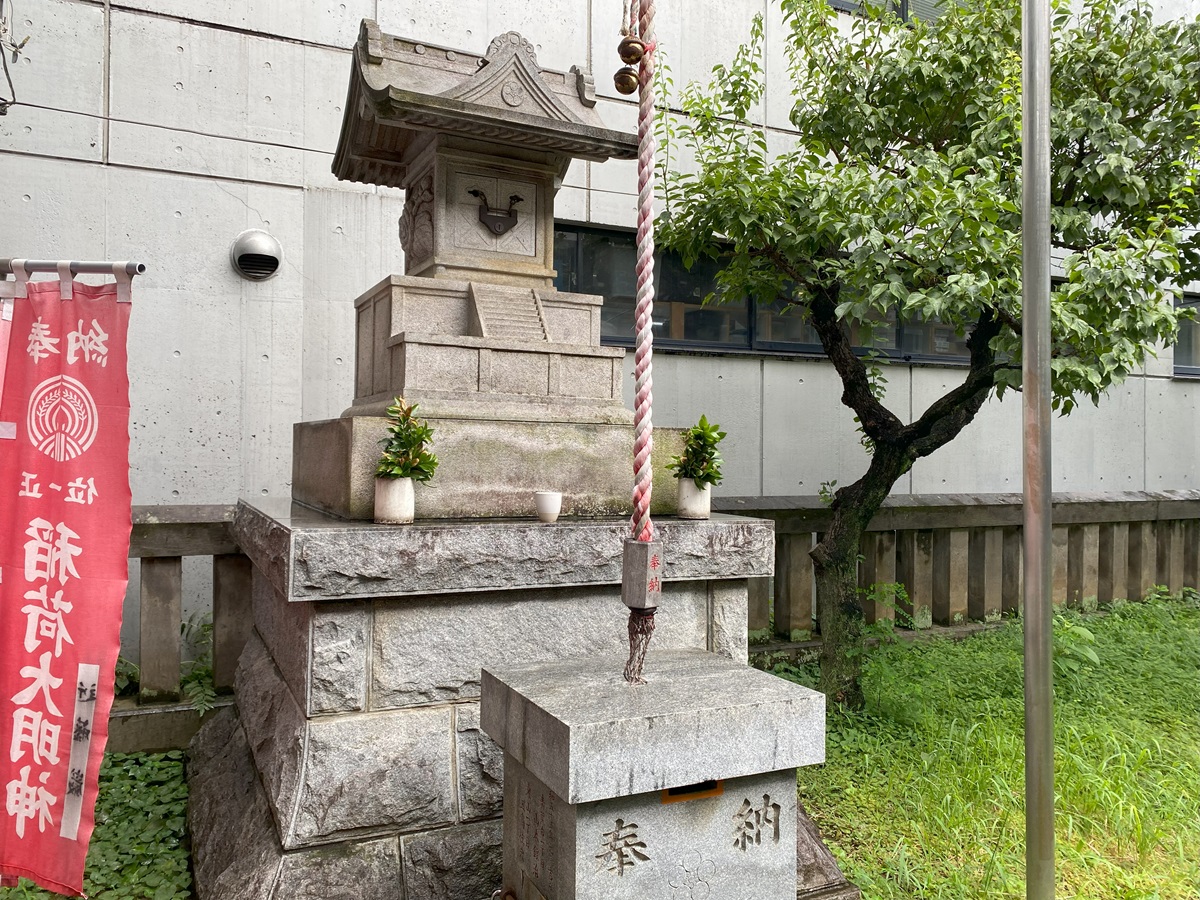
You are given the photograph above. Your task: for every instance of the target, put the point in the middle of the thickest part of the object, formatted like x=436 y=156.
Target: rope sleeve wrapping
x=643 y=428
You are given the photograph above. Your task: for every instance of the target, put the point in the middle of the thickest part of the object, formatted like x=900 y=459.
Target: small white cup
x=549 y=505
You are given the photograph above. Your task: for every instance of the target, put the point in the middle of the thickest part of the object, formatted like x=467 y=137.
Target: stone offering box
x=684 y=787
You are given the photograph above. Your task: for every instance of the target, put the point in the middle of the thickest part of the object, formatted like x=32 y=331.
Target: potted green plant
x=698 y=468
x=406 y=459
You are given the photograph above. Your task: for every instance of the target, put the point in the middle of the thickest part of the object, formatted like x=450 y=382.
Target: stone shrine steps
x=508 y=313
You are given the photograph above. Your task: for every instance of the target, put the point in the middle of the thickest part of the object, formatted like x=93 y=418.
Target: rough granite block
x=461 y=863
x=480 y=766
x=235 y=848
x=338 y=657
x=274 y=724
x=727 y=619
x=588 y=735
x=284 y=629
x=367 y=870
x=380 y=771
x=433 y=648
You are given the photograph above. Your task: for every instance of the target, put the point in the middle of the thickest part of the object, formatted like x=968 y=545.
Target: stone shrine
x=353 y=764
x=509 y=372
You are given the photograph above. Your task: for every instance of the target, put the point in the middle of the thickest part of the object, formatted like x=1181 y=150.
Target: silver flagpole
x=1035 y=283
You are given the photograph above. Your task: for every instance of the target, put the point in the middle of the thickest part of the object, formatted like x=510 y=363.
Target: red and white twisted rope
x=643 y=428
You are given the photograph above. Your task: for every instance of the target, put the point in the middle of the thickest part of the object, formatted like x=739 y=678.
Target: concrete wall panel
x=180 y=75
x=54 y=208
x=616 y=176
x=986 y=456
x=330 y=22
x=558 y=29
x=809 y=437
x=62 y=66
x=154 y=147
x=712 y=34
x=1101 y=448
x=350 y=243
x=1172 y=435
x=48 y=132
x=778 y=99
x=727 y=391
x=326 y=74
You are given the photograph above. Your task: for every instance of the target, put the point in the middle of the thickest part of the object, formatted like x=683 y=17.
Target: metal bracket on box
x=495 y=220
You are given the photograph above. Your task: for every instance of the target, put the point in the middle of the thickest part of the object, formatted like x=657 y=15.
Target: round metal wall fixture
x=255 y=255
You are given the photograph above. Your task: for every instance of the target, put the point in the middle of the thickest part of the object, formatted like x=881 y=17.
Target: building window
x=1187 y=345
x=597 y=261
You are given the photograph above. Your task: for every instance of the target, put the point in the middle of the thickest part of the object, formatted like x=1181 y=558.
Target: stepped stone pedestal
x=682 y=787
x=355 y=760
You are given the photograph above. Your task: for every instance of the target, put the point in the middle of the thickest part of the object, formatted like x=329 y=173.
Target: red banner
x=64 y=547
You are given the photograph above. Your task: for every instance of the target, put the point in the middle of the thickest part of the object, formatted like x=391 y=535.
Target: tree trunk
x=835 y=564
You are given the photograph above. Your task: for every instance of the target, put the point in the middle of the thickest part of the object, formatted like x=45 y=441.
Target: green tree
x=903 y=192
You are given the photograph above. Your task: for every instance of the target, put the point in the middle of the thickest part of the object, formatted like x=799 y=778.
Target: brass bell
x=631 y=50
x=626 y=80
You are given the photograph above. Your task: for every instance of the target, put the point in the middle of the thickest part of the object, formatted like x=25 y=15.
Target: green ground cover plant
x=139 y=850
x=922 y=795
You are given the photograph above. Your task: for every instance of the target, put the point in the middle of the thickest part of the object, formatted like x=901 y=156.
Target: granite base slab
x=307 y=555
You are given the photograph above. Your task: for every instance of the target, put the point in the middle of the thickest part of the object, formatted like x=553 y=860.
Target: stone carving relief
x=511 y=77
x=692 y=876
x=621 y=849
x=507 y=42
x=416 y=222
x=751 y=822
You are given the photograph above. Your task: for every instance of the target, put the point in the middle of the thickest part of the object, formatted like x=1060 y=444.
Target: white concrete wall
x=158 y=129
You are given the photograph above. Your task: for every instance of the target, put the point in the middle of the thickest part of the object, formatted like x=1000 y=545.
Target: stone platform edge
x=309 y=556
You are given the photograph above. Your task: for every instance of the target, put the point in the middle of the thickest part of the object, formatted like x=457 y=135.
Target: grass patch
x=923 y=791
x=139 y=850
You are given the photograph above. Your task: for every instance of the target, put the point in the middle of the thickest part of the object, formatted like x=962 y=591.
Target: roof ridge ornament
x=512 y=76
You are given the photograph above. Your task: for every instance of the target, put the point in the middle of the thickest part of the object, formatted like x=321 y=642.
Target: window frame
x=755 y=345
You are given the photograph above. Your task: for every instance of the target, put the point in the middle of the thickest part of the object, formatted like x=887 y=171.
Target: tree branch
x=877 y=421
x=951 y=413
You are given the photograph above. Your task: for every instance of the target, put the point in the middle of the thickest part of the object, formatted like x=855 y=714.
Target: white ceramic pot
x=393 y=501
x=549 y=505
x=694 y=502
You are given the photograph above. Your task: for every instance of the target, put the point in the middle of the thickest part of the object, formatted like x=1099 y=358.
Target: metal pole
x=77 y=267
x=1038 y=577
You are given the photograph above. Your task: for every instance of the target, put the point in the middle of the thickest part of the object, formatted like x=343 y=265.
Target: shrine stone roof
x=402 y=90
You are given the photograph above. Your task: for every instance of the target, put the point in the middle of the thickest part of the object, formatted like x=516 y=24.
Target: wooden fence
x=959 y=556
x=162 y=536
